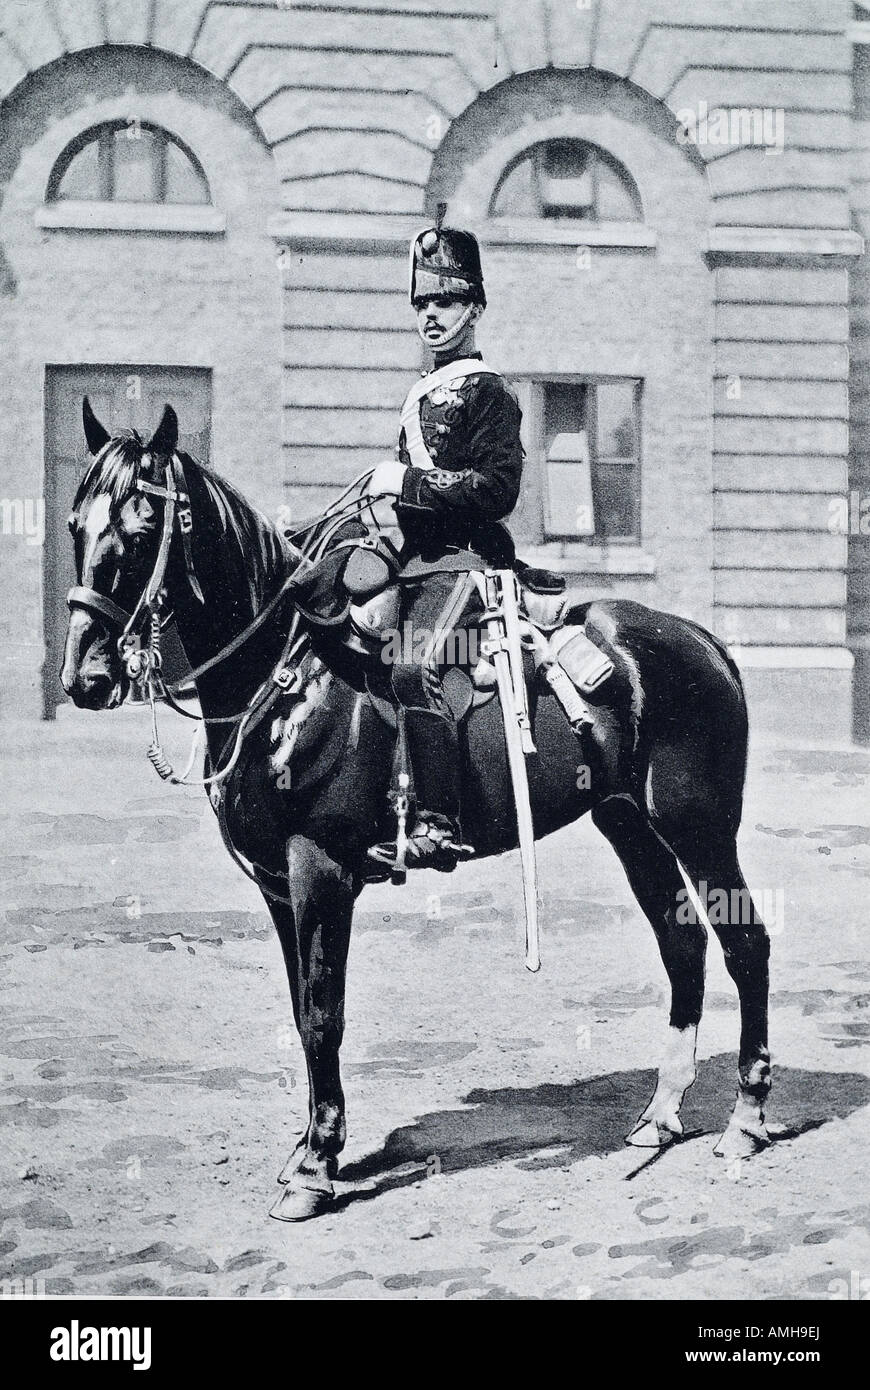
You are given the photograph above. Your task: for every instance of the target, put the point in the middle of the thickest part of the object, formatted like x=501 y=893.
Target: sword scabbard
x=503 y=648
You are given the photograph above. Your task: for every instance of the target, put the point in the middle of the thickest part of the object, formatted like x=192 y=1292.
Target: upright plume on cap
x=429 y=241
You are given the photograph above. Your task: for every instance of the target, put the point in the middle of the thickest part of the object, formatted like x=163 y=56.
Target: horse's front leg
x=314 y=930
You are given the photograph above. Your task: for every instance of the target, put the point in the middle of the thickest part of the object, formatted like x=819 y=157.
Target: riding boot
x=433 y=748
x=436 y=839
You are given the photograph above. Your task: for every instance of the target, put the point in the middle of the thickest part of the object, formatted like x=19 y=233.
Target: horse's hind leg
x=315 y=934
x=710 y=859
x=656 y=881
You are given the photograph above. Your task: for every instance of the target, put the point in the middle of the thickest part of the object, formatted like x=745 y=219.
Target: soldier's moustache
x=450 y=334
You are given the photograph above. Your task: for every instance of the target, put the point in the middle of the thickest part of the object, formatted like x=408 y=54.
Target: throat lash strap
x=177 y=501
x=185 y=526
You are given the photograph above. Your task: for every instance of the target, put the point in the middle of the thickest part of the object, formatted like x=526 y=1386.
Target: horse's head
x=116 y=530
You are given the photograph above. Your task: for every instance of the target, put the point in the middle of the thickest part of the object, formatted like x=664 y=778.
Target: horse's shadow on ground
x=550 y=1126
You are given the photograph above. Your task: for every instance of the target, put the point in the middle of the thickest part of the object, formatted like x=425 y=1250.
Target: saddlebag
x=585 y=665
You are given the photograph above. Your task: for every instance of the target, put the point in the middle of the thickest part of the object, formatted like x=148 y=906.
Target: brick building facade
x=211 y=202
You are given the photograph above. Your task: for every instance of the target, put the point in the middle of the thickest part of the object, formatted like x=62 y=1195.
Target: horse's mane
x=259 y=543
x=259 y=547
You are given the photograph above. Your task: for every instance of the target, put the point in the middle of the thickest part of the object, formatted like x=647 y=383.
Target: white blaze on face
x=95 y=527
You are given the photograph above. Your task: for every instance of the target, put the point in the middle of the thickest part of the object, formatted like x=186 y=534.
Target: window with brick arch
x=128 y=161
x=567 y=179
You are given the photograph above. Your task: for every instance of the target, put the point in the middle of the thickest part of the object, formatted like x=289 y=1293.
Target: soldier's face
x=437 y=315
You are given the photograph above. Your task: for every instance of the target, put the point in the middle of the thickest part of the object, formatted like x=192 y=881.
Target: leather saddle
x=352 y=595
x=546 y=601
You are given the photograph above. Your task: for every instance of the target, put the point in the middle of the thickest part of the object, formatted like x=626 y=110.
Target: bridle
x=140 y=662
x=143 y=660
x=142 y=657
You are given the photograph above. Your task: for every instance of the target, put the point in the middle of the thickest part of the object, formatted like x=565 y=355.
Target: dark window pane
x=568 y=473
x=566 y=178
x=590 y=460
x=566 y=159
x=565 y=404
x=616 y=420
x=184 y=183
x=615 y=489
x=82 y=178
x=137 y=164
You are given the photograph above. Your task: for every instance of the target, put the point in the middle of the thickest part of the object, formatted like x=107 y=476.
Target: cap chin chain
x=451 y=334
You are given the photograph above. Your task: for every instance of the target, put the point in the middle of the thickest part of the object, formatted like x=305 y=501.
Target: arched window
x=128 y=162
x=567 y=178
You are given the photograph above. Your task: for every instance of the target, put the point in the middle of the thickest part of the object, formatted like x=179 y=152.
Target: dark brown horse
x=309 y=789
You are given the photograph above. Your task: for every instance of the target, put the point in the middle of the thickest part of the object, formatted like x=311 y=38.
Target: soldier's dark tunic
x=451 y=521
x=472 y=432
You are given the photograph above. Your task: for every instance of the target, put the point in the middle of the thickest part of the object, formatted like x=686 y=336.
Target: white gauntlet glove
x=387 y=479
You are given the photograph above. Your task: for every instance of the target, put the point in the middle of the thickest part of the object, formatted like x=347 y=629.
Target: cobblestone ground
x=152 y=1083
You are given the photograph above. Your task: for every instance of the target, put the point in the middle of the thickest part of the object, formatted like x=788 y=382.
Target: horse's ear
x=95 y=433
x=164 y=440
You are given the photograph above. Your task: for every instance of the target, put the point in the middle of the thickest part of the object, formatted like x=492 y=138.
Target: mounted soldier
x=456 y=477
x=157 y=534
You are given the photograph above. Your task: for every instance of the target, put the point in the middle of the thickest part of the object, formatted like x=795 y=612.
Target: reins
x=143 y=663
x=257 y=622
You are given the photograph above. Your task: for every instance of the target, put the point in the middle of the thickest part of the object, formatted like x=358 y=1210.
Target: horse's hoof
x=652 y=1134
x=291 y=1167
x=741 y=1143
x=302 y=1203
x=296 y=1164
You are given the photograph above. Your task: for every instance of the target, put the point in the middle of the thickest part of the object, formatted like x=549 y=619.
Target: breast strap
x=458 y=370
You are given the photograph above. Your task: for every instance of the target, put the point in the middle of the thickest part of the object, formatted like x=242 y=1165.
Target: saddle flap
x=370 y=621
x=371 y=567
